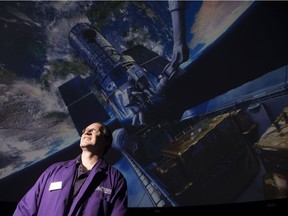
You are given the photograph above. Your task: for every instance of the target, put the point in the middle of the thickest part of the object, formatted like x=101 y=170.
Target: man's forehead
x=94 y=125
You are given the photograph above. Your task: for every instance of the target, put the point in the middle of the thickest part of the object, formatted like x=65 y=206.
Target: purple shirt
x=103 y=193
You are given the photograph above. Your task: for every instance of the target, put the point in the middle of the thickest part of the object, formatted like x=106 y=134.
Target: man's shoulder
x=109 y=167
x=60 y=164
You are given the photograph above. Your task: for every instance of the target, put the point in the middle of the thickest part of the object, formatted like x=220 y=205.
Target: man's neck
x=89 y=160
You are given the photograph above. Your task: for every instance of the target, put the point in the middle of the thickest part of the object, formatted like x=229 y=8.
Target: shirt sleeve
x=28 y=205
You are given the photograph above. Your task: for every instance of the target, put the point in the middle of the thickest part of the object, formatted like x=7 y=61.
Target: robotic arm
x=180 y=48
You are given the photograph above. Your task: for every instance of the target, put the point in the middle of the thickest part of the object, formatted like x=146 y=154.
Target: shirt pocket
x=97 y=205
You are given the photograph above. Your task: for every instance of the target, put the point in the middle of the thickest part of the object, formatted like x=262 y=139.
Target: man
x=86 y=185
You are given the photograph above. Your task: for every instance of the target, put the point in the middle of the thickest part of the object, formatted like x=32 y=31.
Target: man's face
x=92 y=138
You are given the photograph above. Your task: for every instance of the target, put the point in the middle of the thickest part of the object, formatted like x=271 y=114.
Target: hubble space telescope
x=128 y=88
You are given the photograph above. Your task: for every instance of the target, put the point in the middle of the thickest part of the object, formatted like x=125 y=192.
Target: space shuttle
x=179 y=157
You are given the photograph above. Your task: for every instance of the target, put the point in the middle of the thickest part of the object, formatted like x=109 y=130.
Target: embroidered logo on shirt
x=55 y=186
x=104 y=190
